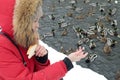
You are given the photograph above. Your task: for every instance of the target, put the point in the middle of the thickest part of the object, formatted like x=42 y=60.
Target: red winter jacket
x=11 y=64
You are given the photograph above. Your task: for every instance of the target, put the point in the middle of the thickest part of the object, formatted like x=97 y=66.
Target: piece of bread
x=31 y=51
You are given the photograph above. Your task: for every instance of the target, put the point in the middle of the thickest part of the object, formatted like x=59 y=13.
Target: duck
x=115 y=33
x=112 y=11
x=100 y=27
x=92 y=45
x=73 y=6
x=80 y=16
x=102 y=39
x=79 y=43
x=49 y=34
x=111 y=42
x=61 y=1
x=86 y=1
x=114 y=23
x=70 y=14
x=76 y=31
x=64 y=24
x=91 y=34
x=62 y=50
x=59 y=24
x=107 y=49
x=70 y=50
x=101 y=9
x=52 y=17
x=53 y=32
x=86 y=40
x=109 y=1
x=108 y=18
x=110 y=32
x=117 y=77
x=90 y=58
x=118 y=35
x=114 y=42
x=64 y=33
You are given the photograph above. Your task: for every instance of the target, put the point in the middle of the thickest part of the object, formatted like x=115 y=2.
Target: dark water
x=82 y=14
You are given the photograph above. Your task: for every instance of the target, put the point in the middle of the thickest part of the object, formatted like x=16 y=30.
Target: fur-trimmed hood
x=16 y=20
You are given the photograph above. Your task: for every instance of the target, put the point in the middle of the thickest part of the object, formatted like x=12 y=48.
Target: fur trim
x=23 y=22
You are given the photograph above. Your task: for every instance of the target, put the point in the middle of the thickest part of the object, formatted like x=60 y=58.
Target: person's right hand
x=77 y=55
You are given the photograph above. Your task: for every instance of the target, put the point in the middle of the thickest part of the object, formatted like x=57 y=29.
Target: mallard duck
x=74 y=6
x=86 y=40
x=110 y=32
x=62 y=50
x=90 y=58
x=107 y=49
x=70 y=50
x=92 y=28
x=47 y=35
x=115 y=33
x=117 y=77
x=59 y=24
x=109 y=1
x=53 y=32
x=118 y=35
x=52 y=17
x=112 y=11
x=101 y=9
x=92 y=44
x=76 y=31
x=91 y=34
x=64 y=24
x=114 y=23
x=70 y=14
x=79 y=43
x=109 y=41
x=108 y=19
x=61 y=1
x=86 y=1
x=102 y=39
x=114 y=42
x=65 y=32
x=80 y=17
x=72 y=1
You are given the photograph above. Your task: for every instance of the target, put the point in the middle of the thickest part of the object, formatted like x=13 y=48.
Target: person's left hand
x=78 y=54
x=40 y=51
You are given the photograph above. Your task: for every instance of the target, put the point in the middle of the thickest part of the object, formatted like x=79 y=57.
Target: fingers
x=81 y=48
x=40 y=51
x=85 y=54
x=81 y=52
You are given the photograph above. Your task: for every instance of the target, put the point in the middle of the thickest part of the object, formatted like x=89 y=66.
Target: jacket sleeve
x=41 y=62
x=11 y=68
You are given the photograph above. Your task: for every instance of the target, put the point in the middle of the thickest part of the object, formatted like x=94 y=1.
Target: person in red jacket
x=18 y=31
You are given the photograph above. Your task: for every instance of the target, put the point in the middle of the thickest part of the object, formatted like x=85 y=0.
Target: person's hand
x=40 y=51
x=77 y=55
